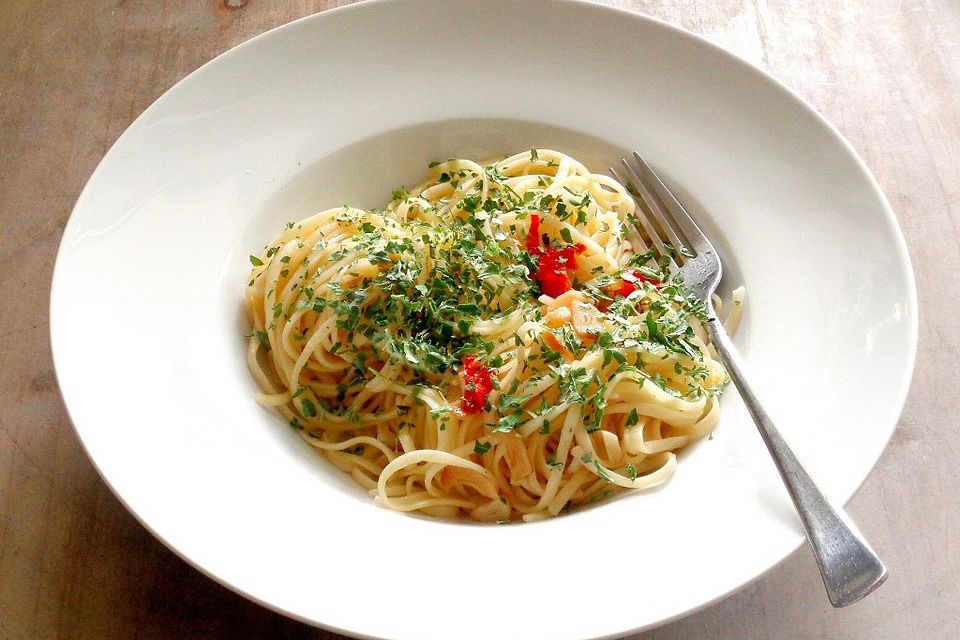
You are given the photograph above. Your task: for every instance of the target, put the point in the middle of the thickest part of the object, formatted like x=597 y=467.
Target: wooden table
x=73 y=75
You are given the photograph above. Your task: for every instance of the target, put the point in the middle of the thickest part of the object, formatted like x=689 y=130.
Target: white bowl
x=344 y=106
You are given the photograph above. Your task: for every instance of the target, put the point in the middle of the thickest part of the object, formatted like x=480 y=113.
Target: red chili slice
x=553 y=265
x=627 y=287
x=477 y=384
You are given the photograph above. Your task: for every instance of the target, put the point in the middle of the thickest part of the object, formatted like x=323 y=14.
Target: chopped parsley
x=309 y=409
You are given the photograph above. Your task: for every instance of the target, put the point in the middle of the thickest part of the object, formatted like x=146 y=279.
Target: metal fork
x=850 y=568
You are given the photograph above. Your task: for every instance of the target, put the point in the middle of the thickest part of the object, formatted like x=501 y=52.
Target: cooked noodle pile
x=496 y=343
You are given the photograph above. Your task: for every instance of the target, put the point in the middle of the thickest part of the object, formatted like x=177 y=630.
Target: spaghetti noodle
x=497 y=343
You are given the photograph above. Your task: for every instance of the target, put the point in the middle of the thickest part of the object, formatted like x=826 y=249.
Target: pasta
x=496 y=343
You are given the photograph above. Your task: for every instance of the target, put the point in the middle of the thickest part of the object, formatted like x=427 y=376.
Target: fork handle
x=850 y=568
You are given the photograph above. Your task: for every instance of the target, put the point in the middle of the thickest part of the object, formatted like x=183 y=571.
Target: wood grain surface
x=73 y=75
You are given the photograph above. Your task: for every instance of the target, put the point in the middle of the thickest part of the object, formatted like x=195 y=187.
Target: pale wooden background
x=73 y=75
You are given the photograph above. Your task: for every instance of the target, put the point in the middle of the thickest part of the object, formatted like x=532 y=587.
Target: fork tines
x=661 y=216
